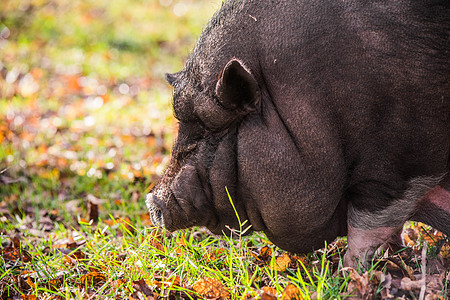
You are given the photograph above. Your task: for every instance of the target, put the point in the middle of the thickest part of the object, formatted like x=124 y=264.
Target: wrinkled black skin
x=353 y=103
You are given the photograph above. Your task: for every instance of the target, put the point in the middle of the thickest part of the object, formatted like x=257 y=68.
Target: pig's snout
x=155 y=209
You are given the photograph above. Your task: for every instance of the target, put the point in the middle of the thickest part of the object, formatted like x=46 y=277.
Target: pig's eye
x=190 y=148
x=185 y=150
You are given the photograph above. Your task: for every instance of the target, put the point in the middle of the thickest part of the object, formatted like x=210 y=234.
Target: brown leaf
x=282 y=263
x=93 y=212
x=78 y=255
x=410 y=285
x=30 y=283
x=28 y=297
x=363 y=286
x=118 y=284
x=141 y=286
x=41 y=279
x=396 y=266
x=92 y=278
x=265 y=254
x=181 y=241
x=93 y=203
x=216 y=254
x=268 y=293
x=432 y=238
x=296 y=260
x=211 y=288
x=10 y=254
x=445 y=250
x=291 y=292
x=16 y=242
x=13 y=254
x=386 y=284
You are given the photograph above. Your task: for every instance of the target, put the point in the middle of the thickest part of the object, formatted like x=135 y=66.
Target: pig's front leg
x=376 y=214
x=362 y=243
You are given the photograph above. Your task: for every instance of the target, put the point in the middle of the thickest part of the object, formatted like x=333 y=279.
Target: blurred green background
x=84 y=107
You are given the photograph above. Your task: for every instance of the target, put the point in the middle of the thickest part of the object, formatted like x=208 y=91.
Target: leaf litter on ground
x=85 y=130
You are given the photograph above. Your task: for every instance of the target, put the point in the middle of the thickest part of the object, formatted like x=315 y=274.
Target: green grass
x=85 y=118
x=129 y=254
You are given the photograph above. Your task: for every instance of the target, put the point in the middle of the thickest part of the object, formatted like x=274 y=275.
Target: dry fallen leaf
x=216 y=254
x=363 y=286
x=92 y=278
x=410 y=285
x=265 y=254
x=291 y=292
x=445 y=250
x=27 y=297
x=13 y=254
x=296 y=260
x=118 y=285
x=268 y=293
x=41 y=279
x=142 y=287
x=432 y=238
x=282 y=263
x=211 y=288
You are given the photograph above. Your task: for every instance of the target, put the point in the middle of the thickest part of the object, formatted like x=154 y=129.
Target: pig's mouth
x=155 y=207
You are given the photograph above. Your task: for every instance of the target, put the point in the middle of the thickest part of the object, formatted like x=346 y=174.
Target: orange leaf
x=31 y=283
x=211 y=288
x=78 y=255
x=118 y=284
x=83 y=220
x=432 y=238
x=216 y=254
x=10 y=254
x=92 y=278
x=181 y=241
x=265 y=254
x=13 y=254
x=282 y=263
x=268 y=293
x=28 y=297
x=291 y=292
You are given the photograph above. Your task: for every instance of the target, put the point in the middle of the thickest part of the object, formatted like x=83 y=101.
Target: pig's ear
x=237 y=88
x=171 y=78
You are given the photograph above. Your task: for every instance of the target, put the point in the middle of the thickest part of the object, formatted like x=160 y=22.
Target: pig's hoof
x=357 y=261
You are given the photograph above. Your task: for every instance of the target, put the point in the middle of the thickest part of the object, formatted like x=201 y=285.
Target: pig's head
x=192 y=191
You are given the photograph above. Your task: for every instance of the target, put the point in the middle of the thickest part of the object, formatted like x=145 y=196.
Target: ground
x=86 y=130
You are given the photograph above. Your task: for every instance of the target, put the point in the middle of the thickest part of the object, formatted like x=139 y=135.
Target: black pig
x=322 y=118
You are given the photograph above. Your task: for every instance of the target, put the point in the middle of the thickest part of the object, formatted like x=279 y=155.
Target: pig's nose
x=154 y=209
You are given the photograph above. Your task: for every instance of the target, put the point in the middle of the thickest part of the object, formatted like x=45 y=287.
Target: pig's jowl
x=322 y=118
